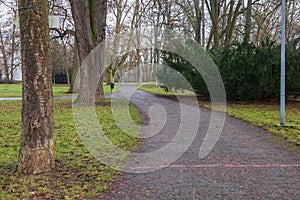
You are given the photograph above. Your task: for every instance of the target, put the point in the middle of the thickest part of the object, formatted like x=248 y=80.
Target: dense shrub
x=249 y=72
x=180 y=74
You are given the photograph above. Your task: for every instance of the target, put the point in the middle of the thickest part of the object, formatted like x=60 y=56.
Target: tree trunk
x=74 y=69
x=232 y=18
x=4 y=55
x=68 y=77
x=248 y=21
x=213 y=9
x=215 y=23
x=90 y=23
x=203 y=24
x=37 y=146
x=116 y=42
x=198 y=21
x=110 y=76
x=13 y=51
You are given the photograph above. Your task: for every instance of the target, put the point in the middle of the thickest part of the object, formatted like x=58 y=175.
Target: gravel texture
x=246 y=163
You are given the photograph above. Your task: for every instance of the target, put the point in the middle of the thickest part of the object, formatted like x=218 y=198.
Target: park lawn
x=15 y=90
x=267 y=116
x=152 y=88
x=261 y=114
x=78 y=175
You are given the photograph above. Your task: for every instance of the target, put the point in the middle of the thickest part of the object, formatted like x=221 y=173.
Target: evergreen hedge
x=249 y=71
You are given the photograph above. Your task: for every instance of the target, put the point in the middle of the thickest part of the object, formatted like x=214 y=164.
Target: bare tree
x=121 y=10
x=65 y=34
x=267 y=20
x=9 y=42
x=63 y=62
x=4 y=56
x=194 y=12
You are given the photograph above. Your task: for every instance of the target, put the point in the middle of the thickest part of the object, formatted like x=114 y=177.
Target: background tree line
x=214 y=24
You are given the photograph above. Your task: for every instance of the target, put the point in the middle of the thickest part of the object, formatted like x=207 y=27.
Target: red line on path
x=220 y=165
x=236 y=165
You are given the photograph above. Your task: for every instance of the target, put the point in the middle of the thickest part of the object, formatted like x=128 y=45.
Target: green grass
x=152 y=88
x=261 y=114
x=267 y=115
x=15 y=90
x=78 y=174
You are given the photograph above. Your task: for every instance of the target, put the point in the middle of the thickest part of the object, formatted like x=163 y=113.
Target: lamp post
x=282 y=84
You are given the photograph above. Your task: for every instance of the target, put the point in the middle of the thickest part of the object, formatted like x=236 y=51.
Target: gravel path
x=246 y=163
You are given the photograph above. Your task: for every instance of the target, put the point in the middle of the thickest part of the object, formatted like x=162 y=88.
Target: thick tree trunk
x=80 y=12
x=90 y=24
x=37 y=145
x=98 y=19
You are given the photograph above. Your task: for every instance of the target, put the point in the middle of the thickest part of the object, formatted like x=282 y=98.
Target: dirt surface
x=246 y=163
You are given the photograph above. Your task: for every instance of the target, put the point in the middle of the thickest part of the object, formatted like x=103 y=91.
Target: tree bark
x=248 y=21
x=198 y=21
x=203 y=23
x=75 y=65
x=90 y=24
x=4 y=55
x=13 y=50
x=37 y=146
x=231 y=23
x=214 y=12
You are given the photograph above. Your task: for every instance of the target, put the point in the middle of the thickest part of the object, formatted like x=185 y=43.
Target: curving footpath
x=246 y=163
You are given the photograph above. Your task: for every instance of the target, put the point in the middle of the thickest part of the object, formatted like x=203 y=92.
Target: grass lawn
x=77 y=176
x=15 y=90
x=262 y=114
x=267 y=116
x=152 y=88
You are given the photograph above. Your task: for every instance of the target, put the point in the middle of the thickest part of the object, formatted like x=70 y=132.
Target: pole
x=282 y=85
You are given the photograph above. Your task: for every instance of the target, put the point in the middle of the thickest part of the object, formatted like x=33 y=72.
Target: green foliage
x=78 y=174
x=253 y=72
x=249 y=72
x=170 y=77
